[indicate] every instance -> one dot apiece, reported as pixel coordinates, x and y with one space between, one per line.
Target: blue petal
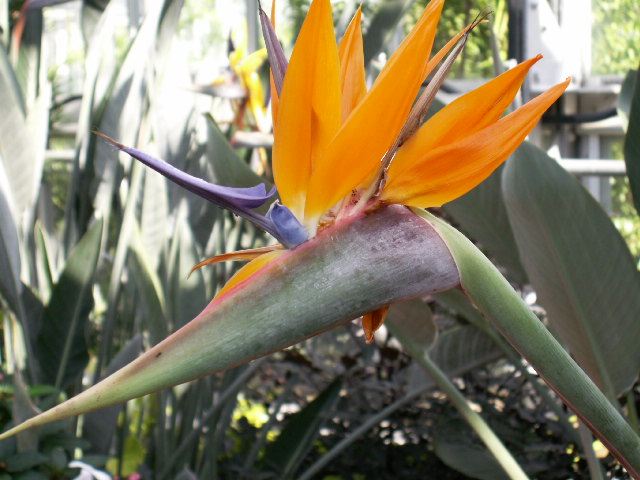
226 197
36 4
291 232
279 222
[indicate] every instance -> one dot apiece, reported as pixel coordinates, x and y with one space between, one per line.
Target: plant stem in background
475 421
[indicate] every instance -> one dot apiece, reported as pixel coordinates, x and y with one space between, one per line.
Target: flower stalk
502 306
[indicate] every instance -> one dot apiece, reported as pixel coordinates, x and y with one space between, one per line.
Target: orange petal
309 108
371 129
445 173
274 99
371 322
464 116
241 255
249 269
352 73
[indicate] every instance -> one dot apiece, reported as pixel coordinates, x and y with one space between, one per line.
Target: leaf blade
579 265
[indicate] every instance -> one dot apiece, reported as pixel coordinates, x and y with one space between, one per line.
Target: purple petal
291 232
37 4
277 59
279 222
251 197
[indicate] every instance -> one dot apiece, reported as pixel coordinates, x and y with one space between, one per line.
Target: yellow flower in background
244 67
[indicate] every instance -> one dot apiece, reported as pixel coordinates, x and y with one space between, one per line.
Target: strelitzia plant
354 169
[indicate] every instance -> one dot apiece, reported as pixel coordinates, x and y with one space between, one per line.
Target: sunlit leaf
10 286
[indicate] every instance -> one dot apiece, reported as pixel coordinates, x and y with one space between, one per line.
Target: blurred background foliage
95 252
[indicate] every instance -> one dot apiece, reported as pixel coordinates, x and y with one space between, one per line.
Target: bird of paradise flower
341 149
347 162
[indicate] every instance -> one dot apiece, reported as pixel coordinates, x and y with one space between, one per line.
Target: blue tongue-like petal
291 232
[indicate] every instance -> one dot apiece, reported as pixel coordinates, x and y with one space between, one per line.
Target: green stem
475 421
367 425
595 469
188 440
632 411
452 300
504 308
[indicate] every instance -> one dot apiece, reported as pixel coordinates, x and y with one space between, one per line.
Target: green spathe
351 268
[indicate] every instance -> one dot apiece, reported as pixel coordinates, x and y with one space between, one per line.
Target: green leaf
482 214
464 348
10 285
228 168
185 292
43 264
154 215
505 309
150 293
22 139
632 143
132 457
5 29
384 22
413 319
31 475
28 61
24 461
626 96
91 12
99 426
579 266
455 447
456 351
296 439
11 92
62 346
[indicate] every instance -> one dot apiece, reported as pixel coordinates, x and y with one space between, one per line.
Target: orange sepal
372 321
241 255
249 269
373 126
463 117
352 72
445 173
309 107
